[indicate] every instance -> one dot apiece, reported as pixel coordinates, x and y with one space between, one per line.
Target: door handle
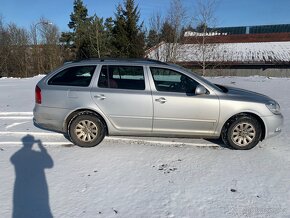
100 97
161 100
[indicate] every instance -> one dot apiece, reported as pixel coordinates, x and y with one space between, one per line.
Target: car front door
177 109
124 96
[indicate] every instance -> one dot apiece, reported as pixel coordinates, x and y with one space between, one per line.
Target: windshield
200 78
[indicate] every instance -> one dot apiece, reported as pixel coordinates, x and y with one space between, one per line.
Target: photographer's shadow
30 196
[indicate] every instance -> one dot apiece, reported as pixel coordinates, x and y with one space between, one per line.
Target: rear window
73 76
122 77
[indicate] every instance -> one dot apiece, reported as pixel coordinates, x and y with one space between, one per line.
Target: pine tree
108 35
129 40
152 39
167 32
120 36
79 38
135 35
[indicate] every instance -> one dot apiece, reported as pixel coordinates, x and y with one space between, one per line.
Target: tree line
25 53
42 48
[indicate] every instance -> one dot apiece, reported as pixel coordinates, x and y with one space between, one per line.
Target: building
254 50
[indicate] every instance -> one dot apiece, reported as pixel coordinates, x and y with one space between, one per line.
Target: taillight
37 95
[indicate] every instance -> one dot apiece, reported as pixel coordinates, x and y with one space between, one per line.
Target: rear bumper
49 118
274 125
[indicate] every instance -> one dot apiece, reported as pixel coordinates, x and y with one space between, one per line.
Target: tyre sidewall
92 118
246 119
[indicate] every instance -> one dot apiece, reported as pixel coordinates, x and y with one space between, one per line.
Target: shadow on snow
30 196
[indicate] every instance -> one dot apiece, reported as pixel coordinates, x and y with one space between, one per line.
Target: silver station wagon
90 99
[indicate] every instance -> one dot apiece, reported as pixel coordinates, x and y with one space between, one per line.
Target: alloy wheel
243 134
86 130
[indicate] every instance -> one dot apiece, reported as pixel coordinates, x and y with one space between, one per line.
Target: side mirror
200 90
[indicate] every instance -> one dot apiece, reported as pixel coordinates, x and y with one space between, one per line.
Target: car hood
246 95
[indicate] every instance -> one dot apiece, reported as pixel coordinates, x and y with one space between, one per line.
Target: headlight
274 107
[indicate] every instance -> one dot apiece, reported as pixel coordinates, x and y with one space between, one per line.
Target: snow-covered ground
139 177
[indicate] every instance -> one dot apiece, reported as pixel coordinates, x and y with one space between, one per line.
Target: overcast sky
228 13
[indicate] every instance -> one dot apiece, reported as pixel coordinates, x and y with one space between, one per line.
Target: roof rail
123 59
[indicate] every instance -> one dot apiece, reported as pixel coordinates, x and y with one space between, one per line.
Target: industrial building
238 51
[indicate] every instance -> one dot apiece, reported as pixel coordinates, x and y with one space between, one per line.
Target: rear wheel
242 133
86 130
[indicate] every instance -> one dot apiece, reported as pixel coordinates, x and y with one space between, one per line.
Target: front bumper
273 125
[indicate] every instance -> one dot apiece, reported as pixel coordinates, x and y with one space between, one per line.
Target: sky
228 12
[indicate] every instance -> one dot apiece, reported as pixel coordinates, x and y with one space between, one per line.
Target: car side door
177 109
123 94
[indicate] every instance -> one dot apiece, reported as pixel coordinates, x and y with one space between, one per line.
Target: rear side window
73 76
122 77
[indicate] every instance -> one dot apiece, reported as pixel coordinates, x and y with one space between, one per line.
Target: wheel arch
88 111
236 116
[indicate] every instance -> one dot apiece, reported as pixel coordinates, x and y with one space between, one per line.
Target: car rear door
123 94
177 109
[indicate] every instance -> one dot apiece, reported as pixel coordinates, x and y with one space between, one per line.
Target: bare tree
177 18
51 52
4 48
34 51
46 51
168 32
156 23
13 55
97 36
24 54
17 65
206 23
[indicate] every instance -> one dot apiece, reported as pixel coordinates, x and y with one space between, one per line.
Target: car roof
143 61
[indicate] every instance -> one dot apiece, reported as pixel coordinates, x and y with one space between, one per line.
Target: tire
86 130
242 133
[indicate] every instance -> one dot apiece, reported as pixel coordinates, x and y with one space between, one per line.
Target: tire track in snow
110 138
16 115
16 118
15 124
31 133
45 143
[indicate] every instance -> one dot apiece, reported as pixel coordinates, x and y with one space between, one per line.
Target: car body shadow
31 196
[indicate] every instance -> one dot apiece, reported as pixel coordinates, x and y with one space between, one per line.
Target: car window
208 83
73 76
122 77
167 80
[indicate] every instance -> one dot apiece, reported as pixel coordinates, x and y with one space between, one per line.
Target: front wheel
242 133
86 130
